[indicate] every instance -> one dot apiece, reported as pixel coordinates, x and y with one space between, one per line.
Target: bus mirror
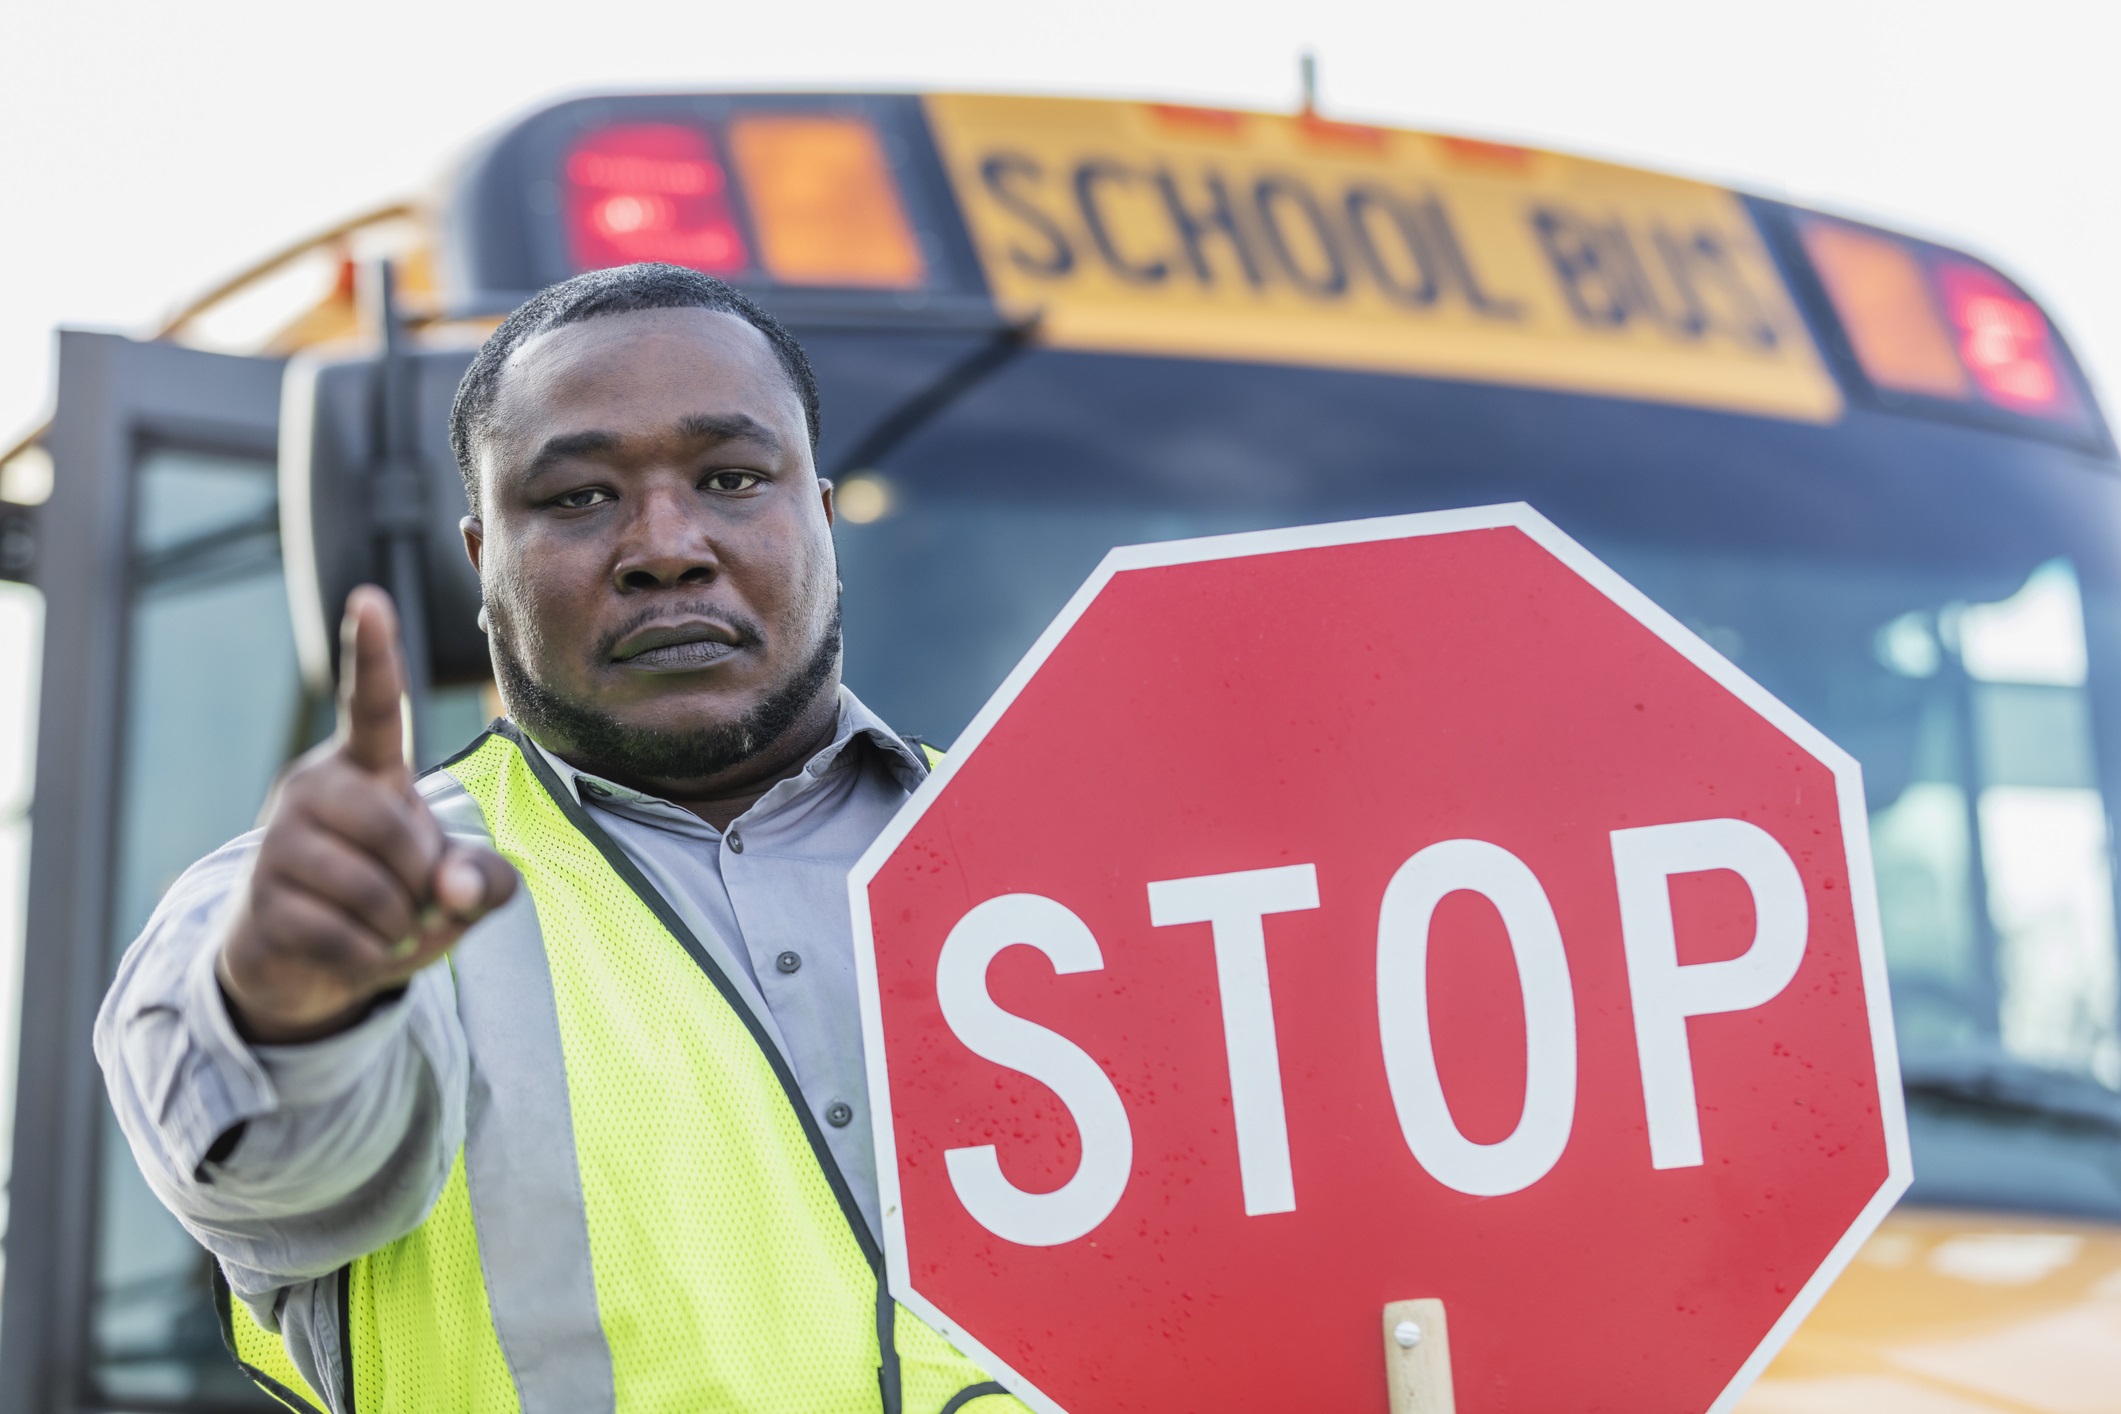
333 478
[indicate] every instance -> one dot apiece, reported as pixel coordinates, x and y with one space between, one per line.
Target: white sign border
1517 515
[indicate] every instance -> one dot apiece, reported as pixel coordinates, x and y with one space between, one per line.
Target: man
613 1151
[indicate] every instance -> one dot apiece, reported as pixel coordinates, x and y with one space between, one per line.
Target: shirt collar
855 719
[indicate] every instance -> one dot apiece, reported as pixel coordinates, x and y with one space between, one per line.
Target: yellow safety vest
660 1220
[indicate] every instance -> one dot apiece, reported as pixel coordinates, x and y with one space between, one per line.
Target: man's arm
284 1161
284 1060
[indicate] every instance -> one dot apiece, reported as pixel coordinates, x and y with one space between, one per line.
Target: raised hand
355 887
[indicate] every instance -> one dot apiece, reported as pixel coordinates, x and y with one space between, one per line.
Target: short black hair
622 289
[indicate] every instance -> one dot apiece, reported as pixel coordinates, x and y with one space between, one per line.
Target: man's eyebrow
706 427
570 444
728 427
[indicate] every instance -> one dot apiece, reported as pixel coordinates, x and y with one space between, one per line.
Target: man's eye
579 500
732 480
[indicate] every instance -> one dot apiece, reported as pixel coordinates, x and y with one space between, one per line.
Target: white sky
148 148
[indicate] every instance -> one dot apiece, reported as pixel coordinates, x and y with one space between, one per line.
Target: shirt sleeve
338 1147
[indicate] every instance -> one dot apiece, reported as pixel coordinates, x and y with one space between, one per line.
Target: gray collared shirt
346 1141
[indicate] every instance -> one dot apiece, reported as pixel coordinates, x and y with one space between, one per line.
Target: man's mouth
677 647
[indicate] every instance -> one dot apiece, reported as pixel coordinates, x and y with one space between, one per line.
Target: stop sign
1405 909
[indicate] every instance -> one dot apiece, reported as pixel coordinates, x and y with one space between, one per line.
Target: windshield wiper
1996 1082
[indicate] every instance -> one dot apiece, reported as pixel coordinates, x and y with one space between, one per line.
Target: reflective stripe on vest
644 1216
261 1354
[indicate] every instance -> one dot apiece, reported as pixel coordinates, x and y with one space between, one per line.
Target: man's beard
646 754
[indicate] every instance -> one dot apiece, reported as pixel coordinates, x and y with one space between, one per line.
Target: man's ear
474 532
824 491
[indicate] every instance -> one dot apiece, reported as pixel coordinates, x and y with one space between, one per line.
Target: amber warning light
817 190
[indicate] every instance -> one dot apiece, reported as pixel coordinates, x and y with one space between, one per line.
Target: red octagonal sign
1404 910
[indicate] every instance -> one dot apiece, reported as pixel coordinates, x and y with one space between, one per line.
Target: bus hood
1961 1313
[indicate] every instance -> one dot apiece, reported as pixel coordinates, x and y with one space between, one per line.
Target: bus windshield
1942 602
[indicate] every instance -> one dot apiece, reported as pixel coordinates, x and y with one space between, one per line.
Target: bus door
169 700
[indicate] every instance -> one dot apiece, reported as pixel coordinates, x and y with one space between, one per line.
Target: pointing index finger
371 682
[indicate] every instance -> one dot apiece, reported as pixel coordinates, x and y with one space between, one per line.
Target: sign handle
1418 1357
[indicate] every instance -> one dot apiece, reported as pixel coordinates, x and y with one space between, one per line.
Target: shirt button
839 1114
789 962
736 842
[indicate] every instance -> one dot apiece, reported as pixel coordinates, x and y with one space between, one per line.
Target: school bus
1863 465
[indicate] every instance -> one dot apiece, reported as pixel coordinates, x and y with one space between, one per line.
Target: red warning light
650 191
2003 339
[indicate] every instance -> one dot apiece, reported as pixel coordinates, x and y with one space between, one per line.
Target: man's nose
665 543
